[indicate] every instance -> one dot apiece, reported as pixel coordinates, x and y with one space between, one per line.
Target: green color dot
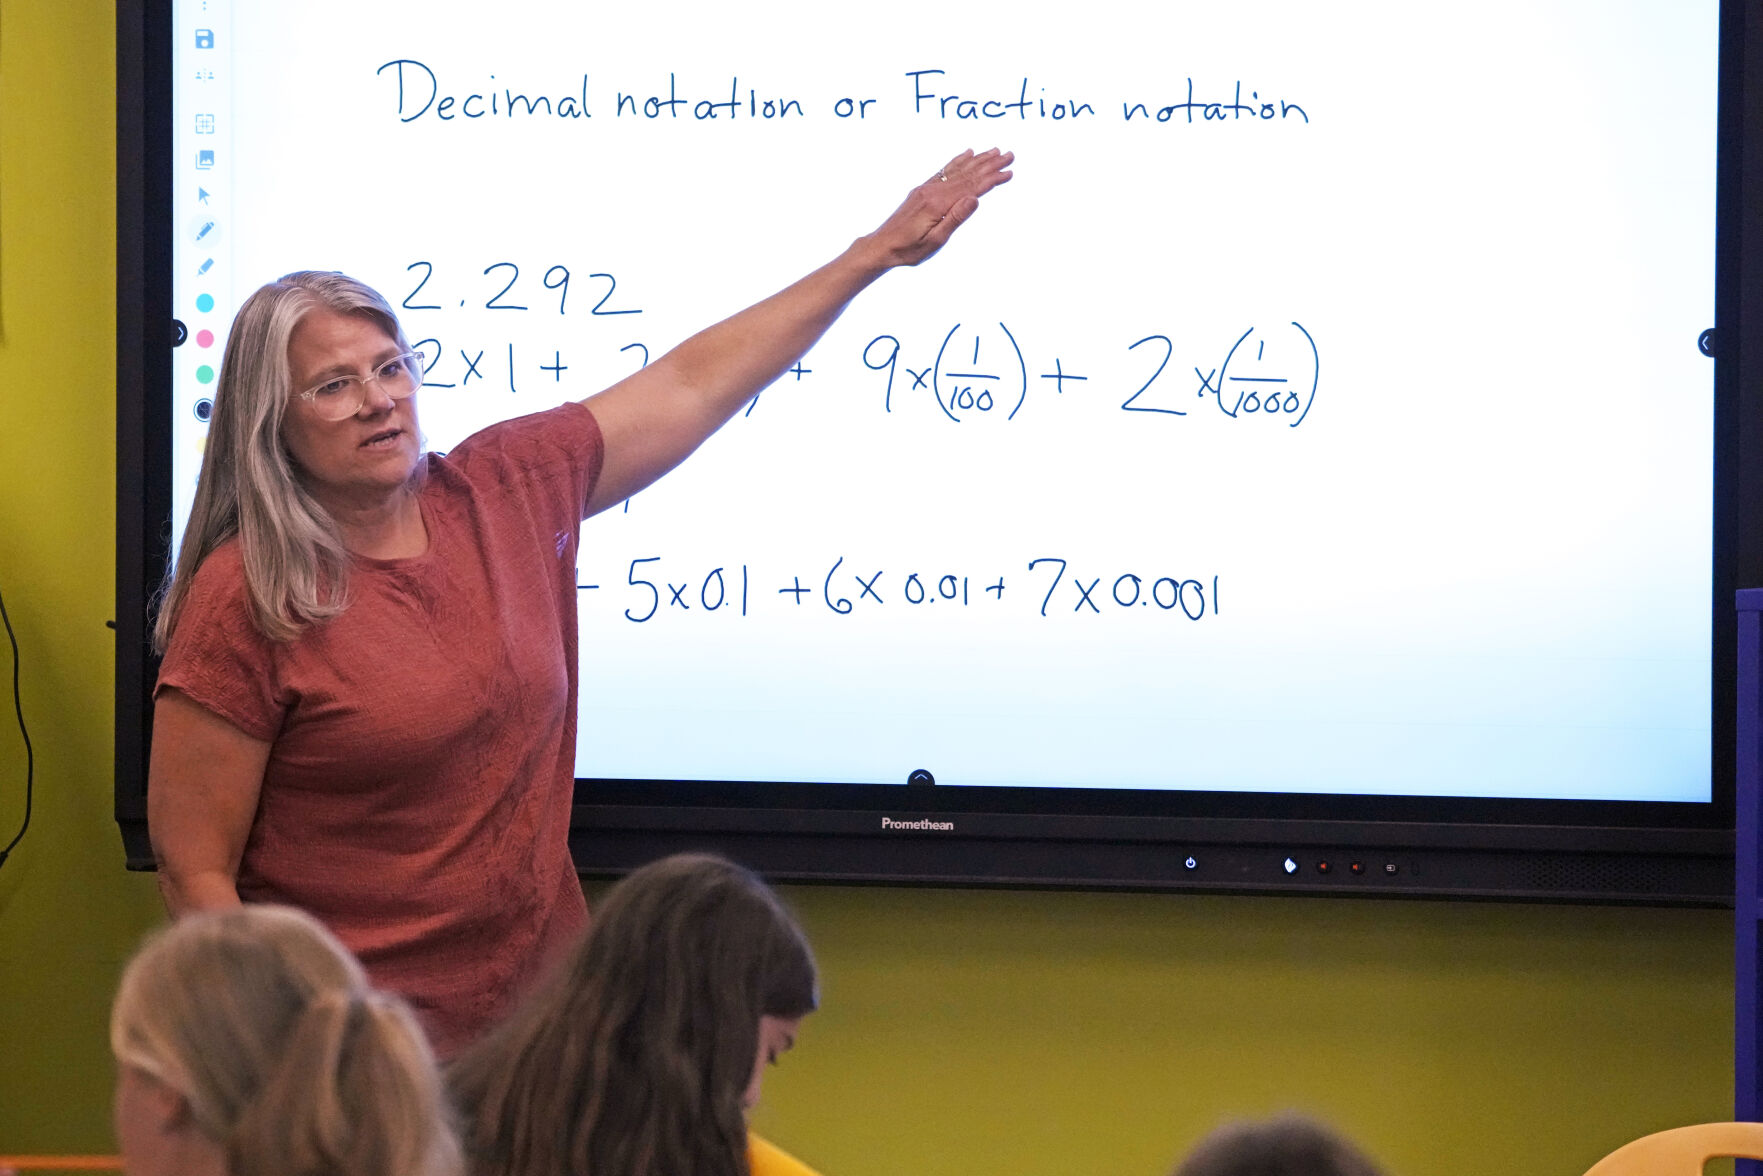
205 374
204 302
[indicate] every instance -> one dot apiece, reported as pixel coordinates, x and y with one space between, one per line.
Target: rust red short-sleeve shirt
422 744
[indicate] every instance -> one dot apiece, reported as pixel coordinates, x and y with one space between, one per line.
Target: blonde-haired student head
248 1043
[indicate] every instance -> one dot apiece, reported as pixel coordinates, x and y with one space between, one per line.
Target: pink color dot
205 338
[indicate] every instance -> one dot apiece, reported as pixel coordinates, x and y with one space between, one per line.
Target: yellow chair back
1682 1151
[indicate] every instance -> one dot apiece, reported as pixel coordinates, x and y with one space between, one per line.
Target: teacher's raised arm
653 419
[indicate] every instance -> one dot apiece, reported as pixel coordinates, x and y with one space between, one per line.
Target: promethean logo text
938 826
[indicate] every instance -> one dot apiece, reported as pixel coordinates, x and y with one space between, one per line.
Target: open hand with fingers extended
936 208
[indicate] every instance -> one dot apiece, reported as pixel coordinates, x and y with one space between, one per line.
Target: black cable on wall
30 761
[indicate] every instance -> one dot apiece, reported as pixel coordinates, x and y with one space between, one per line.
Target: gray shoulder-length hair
296 566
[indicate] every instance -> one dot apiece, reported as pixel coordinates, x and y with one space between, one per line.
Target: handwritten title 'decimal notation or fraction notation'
925 94
849 588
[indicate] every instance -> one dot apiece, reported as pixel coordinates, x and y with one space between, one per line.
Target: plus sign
556 367
799 371
1060 375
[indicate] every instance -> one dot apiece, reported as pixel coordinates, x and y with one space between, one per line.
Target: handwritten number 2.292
556 278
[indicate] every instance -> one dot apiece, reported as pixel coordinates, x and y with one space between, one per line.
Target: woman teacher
367 704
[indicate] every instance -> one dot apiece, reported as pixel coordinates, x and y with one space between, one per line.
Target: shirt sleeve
552 458
217 657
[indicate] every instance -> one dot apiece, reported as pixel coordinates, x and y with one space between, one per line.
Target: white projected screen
1318 410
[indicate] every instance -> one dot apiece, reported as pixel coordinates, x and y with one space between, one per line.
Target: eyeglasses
341 397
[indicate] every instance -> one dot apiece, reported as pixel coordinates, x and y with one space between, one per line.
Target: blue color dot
204 302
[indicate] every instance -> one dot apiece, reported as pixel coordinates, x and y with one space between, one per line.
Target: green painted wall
1031 1033
68 913
963 1031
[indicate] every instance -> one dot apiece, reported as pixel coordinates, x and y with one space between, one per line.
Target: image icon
205 159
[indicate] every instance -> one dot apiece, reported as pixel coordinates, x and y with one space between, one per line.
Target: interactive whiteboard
1319 410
